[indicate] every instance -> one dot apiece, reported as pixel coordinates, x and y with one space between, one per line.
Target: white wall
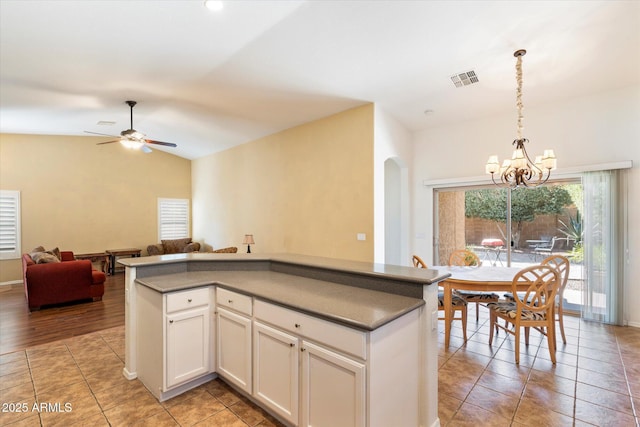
594 129
391 141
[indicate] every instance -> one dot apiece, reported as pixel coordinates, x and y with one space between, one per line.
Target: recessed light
428 112
214 5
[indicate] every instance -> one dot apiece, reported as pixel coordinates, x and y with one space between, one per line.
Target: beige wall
86 198
305 190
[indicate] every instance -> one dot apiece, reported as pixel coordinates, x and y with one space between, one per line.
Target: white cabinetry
234 338
332 382
275 371
174 340
188 345
333 388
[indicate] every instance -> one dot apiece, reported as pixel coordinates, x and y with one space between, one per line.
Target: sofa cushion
155 249
192 247
229 250
176 245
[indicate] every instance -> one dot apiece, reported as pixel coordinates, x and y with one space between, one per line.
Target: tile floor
86 372
595 382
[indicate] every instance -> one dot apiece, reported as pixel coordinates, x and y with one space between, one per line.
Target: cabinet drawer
340 337
191 298
234 301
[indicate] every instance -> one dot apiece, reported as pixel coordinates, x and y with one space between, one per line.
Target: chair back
464 257
417 262
542 283
560 263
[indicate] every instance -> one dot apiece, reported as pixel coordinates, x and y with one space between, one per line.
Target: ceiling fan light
131 144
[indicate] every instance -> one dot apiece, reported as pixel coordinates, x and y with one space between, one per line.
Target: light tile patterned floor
86 372
595 382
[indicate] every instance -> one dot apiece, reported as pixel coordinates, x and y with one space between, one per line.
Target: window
173 218
9 224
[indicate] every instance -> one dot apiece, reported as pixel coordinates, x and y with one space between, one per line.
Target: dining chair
533 308
457 303
560 263
467 258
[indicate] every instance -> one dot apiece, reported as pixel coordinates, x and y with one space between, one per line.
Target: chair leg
492 324
477 312
550 341
464 324
561 323
526 336
517 338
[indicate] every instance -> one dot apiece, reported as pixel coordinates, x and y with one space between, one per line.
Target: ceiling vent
105 123
464 79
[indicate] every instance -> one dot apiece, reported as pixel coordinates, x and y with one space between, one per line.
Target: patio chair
533 308
457 303
556 245
463 257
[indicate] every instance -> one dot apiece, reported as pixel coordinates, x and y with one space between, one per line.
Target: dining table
472 278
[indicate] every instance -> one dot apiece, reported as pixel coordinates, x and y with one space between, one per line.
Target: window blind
9 224
173 218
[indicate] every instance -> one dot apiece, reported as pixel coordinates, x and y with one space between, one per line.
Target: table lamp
248 240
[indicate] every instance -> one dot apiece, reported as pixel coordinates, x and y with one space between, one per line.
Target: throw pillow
57 253
36 250
175 246
44 258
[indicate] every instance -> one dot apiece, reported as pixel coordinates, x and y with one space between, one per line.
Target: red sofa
65 281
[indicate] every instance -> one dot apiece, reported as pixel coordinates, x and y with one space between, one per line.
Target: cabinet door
187 346
333 389
234 348
275 371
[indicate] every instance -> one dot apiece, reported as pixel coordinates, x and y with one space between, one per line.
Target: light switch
361 236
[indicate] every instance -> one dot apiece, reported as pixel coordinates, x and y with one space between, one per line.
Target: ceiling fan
131 138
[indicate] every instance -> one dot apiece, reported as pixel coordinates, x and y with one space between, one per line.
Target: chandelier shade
520 170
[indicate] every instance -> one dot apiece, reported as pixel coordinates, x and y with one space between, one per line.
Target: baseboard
634 324
129 375
13 282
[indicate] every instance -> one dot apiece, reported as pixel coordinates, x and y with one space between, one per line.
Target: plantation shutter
173 218
9 224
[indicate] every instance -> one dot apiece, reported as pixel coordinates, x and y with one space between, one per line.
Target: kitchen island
314 341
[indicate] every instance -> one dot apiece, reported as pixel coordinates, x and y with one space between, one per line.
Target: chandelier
520 171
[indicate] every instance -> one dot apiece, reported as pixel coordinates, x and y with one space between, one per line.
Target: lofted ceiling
209 81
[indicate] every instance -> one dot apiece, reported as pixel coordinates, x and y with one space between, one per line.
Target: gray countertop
406 274
355 307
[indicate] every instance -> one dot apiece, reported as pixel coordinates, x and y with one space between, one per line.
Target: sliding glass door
514 227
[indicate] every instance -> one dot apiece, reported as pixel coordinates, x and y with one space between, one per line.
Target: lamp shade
248 239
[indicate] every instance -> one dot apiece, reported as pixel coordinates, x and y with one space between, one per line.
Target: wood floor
20 329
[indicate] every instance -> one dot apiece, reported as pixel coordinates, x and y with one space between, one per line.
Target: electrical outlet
361 236
434 320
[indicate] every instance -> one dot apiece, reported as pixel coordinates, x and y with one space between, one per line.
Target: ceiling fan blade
145 149
102 134
107 142
168 144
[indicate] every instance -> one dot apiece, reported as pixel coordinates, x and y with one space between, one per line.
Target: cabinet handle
230 301
189 300
297 325
291 344
170 321
302 349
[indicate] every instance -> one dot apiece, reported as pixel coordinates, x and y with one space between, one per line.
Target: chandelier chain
519 104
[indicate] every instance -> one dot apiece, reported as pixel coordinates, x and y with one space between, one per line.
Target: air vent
105 123
464 79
